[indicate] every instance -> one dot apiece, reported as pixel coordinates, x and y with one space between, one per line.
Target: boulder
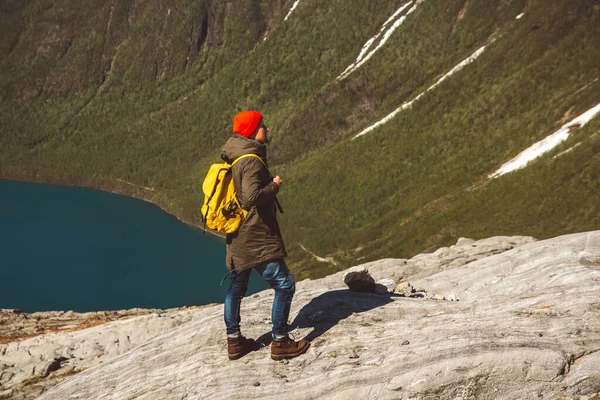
359 280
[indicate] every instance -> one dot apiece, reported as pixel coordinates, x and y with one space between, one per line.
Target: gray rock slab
527 326
63 353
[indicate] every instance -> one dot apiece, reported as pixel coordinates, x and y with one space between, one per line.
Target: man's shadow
325 311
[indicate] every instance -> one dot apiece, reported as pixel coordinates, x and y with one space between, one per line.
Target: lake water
69 248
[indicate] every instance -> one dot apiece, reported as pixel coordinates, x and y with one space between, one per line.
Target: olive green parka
259 239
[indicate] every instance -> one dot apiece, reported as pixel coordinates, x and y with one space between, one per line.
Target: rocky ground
16 325
41 349
500 318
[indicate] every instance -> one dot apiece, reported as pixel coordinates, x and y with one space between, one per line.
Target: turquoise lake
70 248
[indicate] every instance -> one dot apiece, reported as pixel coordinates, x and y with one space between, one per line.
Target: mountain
497 318
390 121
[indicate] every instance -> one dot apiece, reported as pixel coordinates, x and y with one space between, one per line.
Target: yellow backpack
221 210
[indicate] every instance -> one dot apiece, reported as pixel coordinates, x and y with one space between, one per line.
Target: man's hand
278 181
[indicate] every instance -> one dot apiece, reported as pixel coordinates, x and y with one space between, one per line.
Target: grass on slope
162 85
390 192
140 102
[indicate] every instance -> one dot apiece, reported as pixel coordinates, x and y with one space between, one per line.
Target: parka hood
238 145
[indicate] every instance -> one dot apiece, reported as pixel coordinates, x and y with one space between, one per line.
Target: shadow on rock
325 311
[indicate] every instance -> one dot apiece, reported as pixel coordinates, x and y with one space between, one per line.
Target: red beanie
246 122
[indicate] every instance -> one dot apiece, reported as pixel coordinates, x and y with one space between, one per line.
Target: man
258 243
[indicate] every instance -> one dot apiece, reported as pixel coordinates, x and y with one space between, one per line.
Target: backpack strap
265 164
250 155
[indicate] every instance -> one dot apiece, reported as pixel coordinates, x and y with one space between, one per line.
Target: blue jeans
277 274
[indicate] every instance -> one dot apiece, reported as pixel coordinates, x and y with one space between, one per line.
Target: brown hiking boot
288 348
237 348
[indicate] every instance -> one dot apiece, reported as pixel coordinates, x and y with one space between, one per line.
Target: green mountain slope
137 97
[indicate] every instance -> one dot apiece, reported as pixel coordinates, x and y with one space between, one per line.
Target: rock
16 325
48 358
464 241
402 286
359 280
385 286
405 289
442 251
486 347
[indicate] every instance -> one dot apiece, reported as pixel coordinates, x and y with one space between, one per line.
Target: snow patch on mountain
546 144
386 31
408 104
291 10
